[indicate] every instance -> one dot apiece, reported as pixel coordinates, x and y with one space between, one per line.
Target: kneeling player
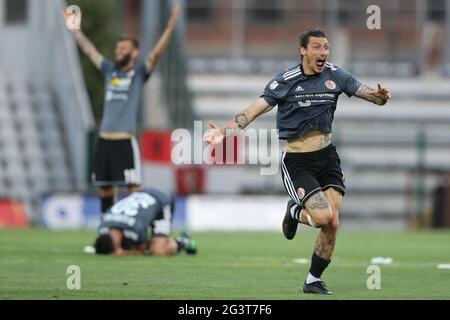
124 228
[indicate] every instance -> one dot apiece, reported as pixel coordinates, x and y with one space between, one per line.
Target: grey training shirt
307 103
123 92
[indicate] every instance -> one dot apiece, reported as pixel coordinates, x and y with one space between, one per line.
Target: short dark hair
304 38
130 38
104 244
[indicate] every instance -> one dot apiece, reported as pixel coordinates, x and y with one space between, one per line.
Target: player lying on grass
124 228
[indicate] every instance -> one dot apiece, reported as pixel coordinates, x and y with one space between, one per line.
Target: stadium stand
34 158
45 115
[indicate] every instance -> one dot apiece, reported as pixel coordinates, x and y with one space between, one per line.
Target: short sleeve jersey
307 102
123 93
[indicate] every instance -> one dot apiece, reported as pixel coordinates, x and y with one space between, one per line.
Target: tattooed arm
243 119
240 122
379 96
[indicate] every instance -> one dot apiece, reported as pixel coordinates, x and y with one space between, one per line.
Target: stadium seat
33 158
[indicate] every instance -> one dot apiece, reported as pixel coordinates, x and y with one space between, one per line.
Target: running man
117 161
124 229
307 96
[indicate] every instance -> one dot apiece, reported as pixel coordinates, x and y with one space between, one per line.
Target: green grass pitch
256 266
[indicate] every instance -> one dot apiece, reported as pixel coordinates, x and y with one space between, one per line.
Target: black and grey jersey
308 102
134 215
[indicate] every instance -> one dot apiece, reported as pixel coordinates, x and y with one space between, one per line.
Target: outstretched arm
163 41
379 96
240 122
84 43
88 48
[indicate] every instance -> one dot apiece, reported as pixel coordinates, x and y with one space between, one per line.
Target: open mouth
320 63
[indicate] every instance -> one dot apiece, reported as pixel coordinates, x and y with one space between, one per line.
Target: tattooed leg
320 214
303 217
317 201
326 239
325 242
318 211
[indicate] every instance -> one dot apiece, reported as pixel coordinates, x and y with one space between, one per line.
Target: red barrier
190 180
13 215
156 146
156 149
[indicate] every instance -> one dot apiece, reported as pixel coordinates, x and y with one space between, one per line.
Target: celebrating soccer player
117 156
307 96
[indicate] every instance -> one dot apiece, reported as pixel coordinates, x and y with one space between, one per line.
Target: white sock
294 211
300 215
311 279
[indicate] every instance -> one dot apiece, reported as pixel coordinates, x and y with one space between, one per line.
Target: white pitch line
381 260
300 261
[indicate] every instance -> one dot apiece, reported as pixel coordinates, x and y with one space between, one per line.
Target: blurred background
396 159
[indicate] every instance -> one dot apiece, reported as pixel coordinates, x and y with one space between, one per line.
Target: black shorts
305 174
117 163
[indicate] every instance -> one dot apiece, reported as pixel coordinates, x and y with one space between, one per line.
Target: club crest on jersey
301 193
330 84
274 85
